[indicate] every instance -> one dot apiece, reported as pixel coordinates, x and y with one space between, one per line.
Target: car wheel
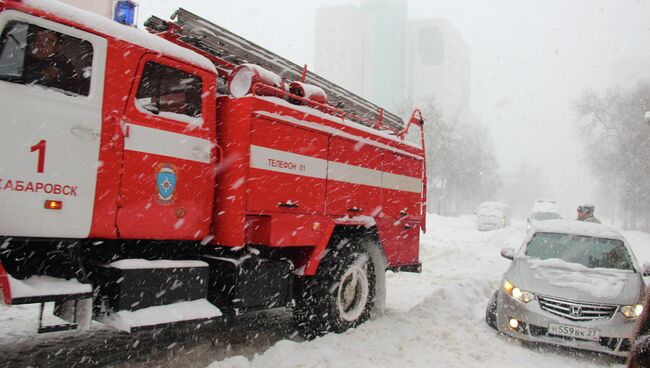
491 312
340 296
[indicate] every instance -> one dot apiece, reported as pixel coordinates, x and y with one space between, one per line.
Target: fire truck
183 173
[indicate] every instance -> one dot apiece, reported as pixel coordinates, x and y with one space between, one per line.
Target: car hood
575 282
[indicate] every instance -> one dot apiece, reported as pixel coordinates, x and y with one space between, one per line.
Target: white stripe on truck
270 159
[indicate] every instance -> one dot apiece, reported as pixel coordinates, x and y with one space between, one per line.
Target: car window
34 55
542 216
585 250
171 93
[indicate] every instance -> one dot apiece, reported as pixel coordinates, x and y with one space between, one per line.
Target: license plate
573 331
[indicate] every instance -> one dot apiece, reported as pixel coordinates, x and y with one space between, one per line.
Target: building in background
385 29
437 60
101 7
339 43
376 52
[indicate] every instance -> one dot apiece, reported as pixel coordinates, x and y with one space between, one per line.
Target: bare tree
618 144
461 164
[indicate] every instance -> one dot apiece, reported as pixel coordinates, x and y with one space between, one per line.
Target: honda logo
576 311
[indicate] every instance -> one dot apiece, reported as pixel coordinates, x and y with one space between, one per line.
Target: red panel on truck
402 186
284 160
354 178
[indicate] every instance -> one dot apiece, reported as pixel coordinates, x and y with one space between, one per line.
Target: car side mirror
646 269
508 253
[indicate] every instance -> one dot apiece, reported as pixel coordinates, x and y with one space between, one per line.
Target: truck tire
491 312
340 296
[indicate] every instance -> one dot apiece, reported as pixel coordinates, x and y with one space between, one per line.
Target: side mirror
646 269
509 253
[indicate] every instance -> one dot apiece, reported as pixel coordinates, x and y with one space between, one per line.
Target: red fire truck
185 173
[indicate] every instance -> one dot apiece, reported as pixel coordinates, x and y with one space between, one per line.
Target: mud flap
5 289
78 312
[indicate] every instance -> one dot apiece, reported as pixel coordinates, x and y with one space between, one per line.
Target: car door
51 93
167 182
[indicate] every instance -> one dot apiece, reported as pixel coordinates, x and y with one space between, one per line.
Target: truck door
51 91
402 199
167 183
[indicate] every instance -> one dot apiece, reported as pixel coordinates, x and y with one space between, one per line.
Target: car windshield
542 216
588 251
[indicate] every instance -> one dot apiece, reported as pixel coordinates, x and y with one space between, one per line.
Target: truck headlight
632 311
517 293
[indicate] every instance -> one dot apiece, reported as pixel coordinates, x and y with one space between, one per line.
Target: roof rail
231 50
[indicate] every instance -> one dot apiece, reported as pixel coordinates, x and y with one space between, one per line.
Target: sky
530 60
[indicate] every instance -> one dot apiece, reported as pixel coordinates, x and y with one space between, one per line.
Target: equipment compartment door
402 186
353 178
167 184
288 167
51 94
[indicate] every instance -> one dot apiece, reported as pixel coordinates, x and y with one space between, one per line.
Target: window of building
170 93
33 55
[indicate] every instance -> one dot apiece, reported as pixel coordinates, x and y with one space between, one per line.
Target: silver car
571 283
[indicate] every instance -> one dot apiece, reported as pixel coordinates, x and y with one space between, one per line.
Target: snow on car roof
545 205
578 228
120 31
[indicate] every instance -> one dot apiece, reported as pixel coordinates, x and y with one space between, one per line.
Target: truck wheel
340 296
491 312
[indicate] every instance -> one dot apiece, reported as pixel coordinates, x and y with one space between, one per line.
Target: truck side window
33 55
170 93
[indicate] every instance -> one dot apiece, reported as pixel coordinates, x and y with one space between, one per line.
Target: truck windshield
588 251
33 55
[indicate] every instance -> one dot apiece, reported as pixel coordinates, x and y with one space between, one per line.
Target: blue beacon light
125 12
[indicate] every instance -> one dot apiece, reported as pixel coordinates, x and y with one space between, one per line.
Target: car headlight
632 311
517 293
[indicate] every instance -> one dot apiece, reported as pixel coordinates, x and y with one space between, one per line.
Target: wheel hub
353 293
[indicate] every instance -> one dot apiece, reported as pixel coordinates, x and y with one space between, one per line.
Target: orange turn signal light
53 205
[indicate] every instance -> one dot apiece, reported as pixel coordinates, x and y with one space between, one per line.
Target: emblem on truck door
165 183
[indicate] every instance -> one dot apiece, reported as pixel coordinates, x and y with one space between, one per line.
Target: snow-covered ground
435 319
432 319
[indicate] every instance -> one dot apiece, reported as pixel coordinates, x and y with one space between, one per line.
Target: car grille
576 311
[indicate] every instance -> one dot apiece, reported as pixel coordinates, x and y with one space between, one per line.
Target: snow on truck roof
119 31
578 228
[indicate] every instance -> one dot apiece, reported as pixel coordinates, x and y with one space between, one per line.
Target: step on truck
183 173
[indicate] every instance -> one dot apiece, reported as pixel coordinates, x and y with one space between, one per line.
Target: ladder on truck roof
233 49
